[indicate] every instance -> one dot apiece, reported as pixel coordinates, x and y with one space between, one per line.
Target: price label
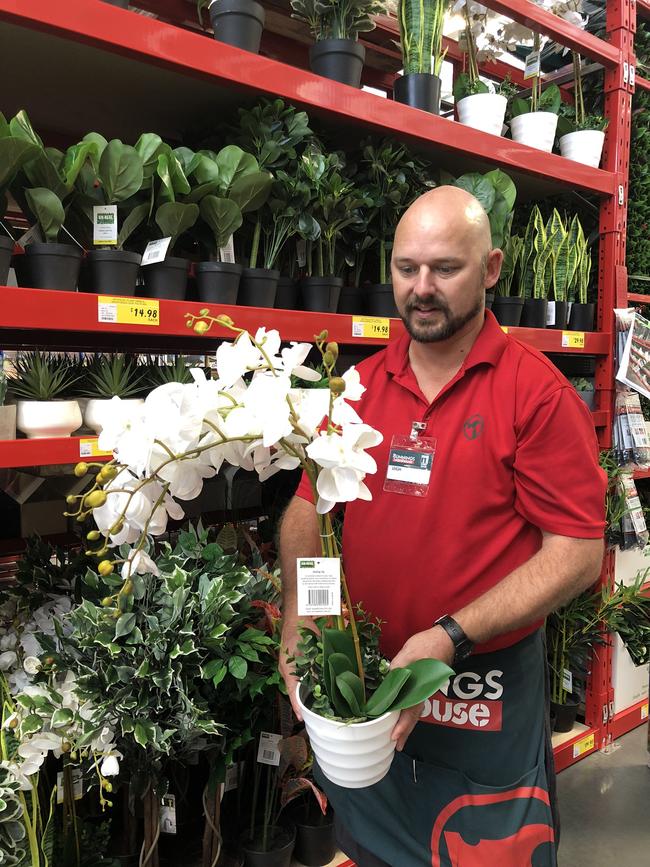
88 448
567 680
371 326
31 236
168 814
77 785
104 224
268 752
644 711
573 339
533 65
128 311
319 586
301 252
227 253
155 251
583 746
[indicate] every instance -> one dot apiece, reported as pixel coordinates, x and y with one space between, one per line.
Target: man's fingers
405 725
292 688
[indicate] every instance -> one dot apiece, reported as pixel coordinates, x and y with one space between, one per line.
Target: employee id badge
410 461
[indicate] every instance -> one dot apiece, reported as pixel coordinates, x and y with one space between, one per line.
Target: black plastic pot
419 90
508 310
315 844
582 317
351 301
561 315
111 272
218 282
238 22
280 856
563 716
321 294
380 300
123 4
338 59
587 397
257 287
166 279
6 249
51 266
489 300
287 296
534 315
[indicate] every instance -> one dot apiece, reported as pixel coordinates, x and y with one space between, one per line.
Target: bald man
487 512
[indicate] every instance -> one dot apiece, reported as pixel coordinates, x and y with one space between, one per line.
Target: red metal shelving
583 744
641 474
642 83
636 298
629 719
48 452
643 8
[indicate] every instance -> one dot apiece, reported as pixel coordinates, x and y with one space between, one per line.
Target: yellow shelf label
374 327
573 339
583 746
88 448
644 711
128 311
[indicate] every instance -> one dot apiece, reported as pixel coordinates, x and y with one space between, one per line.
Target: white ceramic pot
535 129
352 755
484 111
48 418
584 146
96 409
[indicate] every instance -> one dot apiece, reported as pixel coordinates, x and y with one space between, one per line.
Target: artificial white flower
32 665
8 659
18 773
235 359
110 767
125 434
138 562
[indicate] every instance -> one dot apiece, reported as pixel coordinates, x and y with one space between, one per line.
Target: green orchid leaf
337 641
351 688
426 677
387 692
337 663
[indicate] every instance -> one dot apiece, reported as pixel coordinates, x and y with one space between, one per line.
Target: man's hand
432 644
288 644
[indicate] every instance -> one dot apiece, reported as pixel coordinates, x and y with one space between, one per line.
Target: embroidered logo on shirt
473 427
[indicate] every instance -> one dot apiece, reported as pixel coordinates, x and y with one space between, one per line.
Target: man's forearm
299 537
561 569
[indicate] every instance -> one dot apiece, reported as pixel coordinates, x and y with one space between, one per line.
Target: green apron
470 788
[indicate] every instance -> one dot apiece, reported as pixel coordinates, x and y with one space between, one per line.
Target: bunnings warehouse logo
308 564
105 219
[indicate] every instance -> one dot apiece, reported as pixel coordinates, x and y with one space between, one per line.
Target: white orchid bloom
125 434
8 641
32 665
266 401
236 358
110 766
138 562
293 357
19 775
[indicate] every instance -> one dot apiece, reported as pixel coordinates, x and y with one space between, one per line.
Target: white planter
352 755
484 111
535 129
48 418
584 146
96 409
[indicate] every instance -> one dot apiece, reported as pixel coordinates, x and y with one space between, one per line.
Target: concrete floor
605 807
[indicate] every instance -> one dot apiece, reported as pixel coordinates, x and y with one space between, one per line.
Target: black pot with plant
14 152
168 279
235 22
583 311
421 27
287 296
315 839
508 307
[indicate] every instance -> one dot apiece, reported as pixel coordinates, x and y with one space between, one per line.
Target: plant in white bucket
581 135
40 383
250 417
106 377
534 120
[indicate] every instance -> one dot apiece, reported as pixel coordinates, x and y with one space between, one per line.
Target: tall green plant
337 19
511 255
421 25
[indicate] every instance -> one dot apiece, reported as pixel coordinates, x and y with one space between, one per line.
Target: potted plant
535 267
581 135
160 374
14 152
508 307
7 412
168 278
534 121
421 26
585 389
106 377
581 317
496 192
40 383
335 26
235 22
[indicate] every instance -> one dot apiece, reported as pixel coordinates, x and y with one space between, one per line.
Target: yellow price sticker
573 339
644 711
88 448
583 746
374 327
128 311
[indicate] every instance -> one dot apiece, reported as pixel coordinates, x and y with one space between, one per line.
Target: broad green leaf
124 625
163 171
551 99
100 143
32 723
222 216
519 106
251 191
90 579
120 171
427 676
62 717
75 157
48 209
480 187
14 152
174 218
141 734
387 691
238 667
134 219
504 185
350 686
233 163
148 146
336 664
21 127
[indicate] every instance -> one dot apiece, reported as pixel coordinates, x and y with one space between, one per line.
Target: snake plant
421 23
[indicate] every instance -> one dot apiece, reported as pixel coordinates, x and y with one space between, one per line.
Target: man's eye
407 269
446 269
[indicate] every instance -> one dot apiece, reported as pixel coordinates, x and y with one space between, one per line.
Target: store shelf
641 474
629 719
83 43
637 298
642 83
48 452
643 8
574 745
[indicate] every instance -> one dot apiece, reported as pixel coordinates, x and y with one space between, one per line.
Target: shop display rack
121 73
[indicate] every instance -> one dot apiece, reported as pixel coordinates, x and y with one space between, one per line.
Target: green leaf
75 158
551 99
503 185
480 187
387 692
174 218
519 106
14 152
124 625
251 191
238 667
351 688
142 734
120 171
233 163
62 717
90 579
21 127
32 723
131 223
48 210
222 216
426 677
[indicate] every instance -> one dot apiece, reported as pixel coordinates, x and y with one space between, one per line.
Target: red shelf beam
642 83
641 474
572 751
629 719
195 55
44 452
643 8
636 298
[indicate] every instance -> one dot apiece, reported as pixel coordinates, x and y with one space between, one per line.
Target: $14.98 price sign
128 311
371 326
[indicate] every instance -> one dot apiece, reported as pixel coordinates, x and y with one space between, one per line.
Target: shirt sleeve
304 490
559 485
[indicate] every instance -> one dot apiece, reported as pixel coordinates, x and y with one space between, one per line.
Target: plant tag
155 251
77 785
227 253
533 65
573 339
88 448
375 327
268 752
168 814
319 586
567 680
301 252
31 236
104 224
550 313
233 775
584 746
463 45
128 311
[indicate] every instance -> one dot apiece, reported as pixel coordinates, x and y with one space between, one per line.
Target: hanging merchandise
635 529
634 360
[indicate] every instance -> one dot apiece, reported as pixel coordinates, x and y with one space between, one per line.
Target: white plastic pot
535 129
352 755
96 409
584 146
48 418
484 111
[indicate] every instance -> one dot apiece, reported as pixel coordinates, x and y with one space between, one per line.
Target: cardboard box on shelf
630 683
630 562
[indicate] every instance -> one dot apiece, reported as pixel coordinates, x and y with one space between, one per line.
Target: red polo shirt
516 454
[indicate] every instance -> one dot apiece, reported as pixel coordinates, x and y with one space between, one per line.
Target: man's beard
447 324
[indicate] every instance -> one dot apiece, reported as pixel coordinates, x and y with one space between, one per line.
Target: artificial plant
573 118
42 376
421 26
14 152
337 19
107 376
496 194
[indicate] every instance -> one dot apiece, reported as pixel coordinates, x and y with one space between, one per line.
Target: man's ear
493 268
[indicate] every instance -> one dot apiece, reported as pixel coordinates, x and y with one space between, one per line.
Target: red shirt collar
487 348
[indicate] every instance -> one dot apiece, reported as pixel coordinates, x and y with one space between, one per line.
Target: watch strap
460 640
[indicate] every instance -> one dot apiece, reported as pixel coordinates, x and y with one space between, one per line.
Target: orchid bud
94 499
337 385
105 568
107 601
127 589
81 469
93 536
224 319
333 348
328 359
201 327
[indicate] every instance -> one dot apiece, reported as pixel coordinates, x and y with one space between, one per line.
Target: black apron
471 787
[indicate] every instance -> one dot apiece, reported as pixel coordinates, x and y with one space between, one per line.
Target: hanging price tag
567 680
88 448
550 313
77 785
168 814
128 311
233 775
104 224
31 236
301 252
227 253
533 65
268 752
371 326
155 251
319 586
573 339
583 746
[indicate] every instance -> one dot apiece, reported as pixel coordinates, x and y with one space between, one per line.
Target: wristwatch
463 645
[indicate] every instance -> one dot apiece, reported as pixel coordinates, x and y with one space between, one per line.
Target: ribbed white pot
96 409
484 111
583 146
47 418
535 129
352 755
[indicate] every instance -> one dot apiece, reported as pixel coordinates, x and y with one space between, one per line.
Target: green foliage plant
547 99
511 254
42 376
337 19
179 371
3 386
469 83
13 835
107 376
421 24
14 152
496 193
638 226
573 118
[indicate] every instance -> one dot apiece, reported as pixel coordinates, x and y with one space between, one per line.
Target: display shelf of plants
629 719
